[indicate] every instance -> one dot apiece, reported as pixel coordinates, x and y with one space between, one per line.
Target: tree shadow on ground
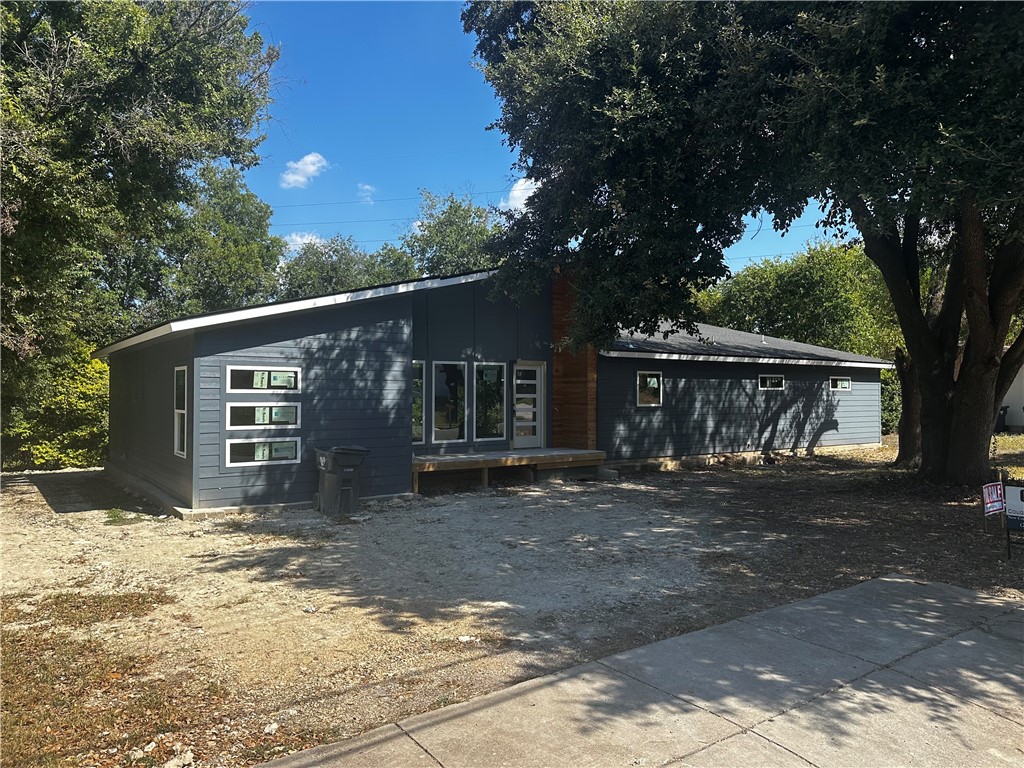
80 491
580 570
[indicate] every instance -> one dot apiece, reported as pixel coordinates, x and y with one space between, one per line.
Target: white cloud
365 192
518 195
298 239
301 171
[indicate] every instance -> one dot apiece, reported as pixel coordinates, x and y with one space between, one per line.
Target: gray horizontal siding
354 391
717 408
142 416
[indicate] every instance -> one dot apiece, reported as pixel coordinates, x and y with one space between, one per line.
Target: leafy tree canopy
338 265
222 255
450 236
829 294
108 107
651 128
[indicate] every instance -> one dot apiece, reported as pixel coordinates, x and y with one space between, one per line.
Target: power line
386 199
342 221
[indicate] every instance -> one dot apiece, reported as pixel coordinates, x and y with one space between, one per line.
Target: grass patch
1009 455
66 698
117 516
74 609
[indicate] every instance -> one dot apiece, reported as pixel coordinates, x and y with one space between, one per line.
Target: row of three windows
649 386
449 402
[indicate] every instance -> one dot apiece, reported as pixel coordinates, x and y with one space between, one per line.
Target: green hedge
62 421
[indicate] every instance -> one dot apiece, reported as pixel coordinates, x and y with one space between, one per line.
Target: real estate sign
993 498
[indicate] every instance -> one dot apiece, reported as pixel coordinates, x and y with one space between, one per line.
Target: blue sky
377 100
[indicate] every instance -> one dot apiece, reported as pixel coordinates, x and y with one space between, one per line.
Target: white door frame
538 440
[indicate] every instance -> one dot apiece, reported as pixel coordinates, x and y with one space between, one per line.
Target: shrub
62 420
892 402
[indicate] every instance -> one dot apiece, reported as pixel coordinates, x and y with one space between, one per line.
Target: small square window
771 381
841 383
648 389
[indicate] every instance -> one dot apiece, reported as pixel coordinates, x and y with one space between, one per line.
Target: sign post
1013 519
993 500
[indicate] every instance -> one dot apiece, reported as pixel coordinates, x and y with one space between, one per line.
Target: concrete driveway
891 672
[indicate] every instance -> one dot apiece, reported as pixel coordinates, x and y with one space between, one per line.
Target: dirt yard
131 639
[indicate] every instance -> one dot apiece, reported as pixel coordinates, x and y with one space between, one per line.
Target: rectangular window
261 451
417 401
489 381
771 382
840 383
263 415
181 411
449 411
249 378
648 389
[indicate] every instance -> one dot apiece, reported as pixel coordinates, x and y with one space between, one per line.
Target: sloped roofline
179 326
758 360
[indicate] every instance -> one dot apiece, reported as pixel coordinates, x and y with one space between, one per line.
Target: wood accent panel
573 380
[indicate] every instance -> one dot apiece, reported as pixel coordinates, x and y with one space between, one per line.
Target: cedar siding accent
573 380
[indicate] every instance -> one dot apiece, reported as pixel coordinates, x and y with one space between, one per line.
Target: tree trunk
909 455
973 417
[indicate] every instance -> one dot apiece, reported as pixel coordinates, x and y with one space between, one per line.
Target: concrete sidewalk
891 672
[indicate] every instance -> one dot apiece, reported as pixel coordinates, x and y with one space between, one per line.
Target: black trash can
1001 419
339 479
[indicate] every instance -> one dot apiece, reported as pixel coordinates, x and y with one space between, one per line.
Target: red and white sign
993 498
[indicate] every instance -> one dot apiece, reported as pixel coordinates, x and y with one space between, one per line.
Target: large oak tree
652 128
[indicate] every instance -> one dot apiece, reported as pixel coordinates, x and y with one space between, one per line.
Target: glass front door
529 400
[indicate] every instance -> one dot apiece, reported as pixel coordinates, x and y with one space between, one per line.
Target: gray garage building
223 409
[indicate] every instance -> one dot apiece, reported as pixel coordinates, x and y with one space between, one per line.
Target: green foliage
651 128
222 255
108 111
607 104
892 400
338 265
62 420
829 295
450 236
107 107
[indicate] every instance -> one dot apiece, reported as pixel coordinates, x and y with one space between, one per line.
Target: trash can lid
352 449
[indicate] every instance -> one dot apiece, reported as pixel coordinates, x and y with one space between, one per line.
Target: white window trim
761 376
183 412
267 390
228 443
661 389
423 415
504 404
465 401
278 404
833 379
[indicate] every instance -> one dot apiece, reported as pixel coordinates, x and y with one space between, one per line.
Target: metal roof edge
756 360
298 305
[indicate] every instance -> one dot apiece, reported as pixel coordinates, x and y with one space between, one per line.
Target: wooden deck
535 458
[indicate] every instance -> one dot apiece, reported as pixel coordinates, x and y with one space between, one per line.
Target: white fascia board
254 313
757 360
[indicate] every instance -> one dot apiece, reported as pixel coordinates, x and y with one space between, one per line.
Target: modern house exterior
224 409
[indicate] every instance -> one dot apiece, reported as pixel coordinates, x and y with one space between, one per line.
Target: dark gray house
222 410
